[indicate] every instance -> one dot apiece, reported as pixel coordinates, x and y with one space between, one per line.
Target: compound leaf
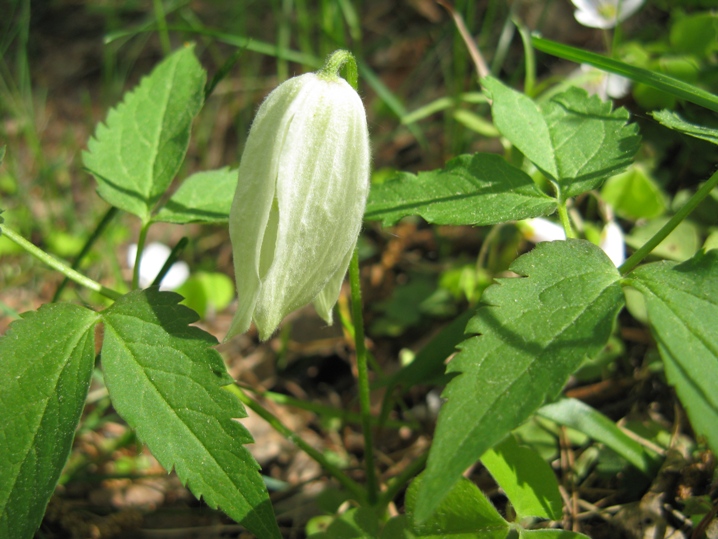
574 139
479 189
682 303
204 197
46 359
531 335
166 381
137 152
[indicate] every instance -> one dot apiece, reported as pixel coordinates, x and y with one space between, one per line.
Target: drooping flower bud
298 207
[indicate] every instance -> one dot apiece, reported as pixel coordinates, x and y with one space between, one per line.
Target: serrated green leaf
479 189
528 481
137 152
465 513
575 140
634 194
580 416
532 334
204 197
673 121
46 359
682 302
165 380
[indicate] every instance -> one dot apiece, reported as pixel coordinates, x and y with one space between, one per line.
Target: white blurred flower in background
538 229
604 85
604 13
613 243
154 257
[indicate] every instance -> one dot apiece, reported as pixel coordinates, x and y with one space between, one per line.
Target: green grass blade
679 88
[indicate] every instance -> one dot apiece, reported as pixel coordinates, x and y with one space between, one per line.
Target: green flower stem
530 61
400 481
335 61
680 215
565 221
346 481
363 378
109 215
58 265
138 255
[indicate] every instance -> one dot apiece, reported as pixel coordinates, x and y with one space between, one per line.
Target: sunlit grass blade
580 416
679 88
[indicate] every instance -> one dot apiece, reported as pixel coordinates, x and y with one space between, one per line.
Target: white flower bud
300 198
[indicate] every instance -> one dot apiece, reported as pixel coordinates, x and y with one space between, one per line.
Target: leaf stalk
59 265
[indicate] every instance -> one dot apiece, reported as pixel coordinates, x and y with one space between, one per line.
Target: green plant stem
363 377
565 220
171 259
138 255
530 62
81 461
109 215
162 26
58 265
321 410
346 481
398 483
680 215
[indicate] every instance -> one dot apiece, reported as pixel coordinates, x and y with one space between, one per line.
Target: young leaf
634 194
528 481
165 380
580 416
397 528
46 360
532 334
574 139
673 121
204 197
356 523
137 152
464 512
682 303
479 189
